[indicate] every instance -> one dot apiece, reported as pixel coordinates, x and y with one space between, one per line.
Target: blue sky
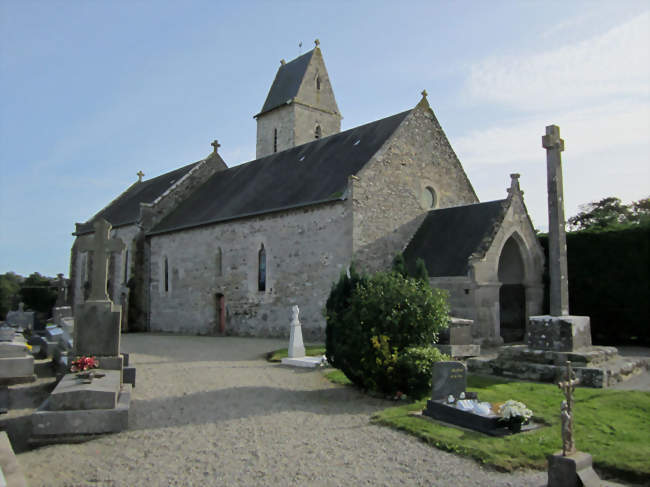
92 92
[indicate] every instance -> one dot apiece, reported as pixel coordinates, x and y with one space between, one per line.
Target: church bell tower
300 106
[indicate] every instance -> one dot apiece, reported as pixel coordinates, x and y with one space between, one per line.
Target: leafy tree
38 294
399 265
9 288
421 272
610 213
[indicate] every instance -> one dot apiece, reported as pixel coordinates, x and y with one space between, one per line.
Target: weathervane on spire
300 48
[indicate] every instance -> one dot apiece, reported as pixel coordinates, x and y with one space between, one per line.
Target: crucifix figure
140 175
559 283
568 386
215 144
60 290
101 246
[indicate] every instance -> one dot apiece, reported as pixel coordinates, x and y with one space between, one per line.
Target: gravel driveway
210 411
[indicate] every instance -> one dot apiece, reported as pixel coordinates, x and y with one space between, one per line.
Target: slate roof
311 173
125 209
287 82
449 236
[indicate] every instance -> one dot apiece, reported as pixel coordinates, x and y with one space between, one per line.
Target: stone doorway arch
512 291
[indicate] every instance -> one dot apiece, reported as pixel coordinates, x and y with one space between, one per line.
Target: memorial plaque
448 378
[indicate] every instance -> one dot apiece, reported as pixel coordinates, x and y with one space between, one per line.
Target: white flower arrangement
513 410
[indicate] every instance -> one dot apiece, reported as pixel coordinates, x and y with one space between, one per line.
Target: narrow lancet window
219 271
261 270
318 132
318 83
275 140
166 271
126 267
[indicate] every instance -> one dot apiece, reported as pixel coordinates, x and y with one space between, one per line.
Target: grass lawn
310 351
613 426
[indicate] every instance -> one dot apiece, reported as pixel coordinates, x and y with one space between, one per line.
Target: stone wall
306 250
390 193
283 119
307 118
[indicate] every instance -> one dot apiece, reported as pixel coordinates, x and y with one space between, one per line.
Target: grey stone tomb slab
7 333
72 394
448 378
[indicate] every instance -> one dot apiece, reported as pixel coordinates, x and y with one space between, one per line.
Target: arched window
219 271
430 198
275 140
261 269
318 83
166 272
318 132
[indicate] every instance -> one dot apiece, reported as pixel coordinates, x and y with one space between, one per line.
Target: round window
429 197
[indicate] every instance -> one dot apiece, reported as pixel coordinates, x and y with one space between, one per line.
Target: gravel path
211 411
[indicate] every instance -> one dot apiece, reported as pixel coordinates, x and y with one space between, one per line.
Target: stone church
213 249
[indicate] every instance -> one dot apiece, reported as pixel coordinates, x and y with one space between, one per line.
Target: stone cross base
558 333
574 470
97 329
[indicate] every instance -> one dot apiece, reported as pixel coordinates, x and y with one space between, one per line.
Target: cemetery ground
214 411
612 424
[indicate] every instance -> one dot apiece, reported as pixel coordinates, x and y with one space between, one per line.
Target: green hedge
609 280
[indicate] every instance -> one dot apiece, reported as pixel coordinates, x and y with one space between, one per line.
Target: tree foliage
38 294
610 213
9 289
375 323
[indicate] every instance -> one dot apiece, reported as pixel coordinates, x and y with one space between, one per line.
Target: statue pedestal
574 470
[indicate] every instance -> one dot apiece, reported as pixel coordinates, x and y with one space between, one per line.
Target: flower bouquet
83 366
515 413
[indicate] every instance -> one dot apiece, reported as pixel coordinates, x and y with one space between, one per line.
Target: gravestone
98 320
77 408
456 340
448 378
21 318
16 363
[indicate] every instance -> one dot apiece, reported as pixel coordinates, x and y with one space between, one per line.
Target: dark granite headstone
448 378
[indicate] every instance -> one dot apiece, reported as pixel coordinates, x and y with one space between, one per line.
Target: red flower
84 363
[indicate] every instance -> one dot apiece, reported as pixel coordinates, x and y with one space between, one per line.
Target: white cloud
616 63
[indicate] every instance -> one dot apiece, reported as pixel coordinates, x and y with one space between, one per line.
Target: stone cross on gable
559 281
140 175
101 246
568 386
215 144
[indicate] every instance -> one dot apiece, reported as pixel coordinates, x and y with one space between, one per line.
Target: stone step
606 374
588 357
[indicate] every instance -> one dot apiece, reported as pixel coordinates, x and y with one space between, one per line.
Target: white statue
296 346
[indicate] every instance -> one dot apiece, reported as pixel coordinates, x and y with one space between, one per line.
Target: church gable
415 170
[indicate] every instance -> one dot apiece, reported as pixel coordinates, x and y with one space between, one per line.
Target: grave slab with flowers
451 403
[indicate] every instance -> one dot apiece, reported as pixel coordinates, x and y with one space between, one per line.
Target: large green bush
373 321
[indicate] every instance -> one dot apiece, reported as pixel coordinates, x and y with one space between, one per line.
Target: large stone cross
101 246
559 280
